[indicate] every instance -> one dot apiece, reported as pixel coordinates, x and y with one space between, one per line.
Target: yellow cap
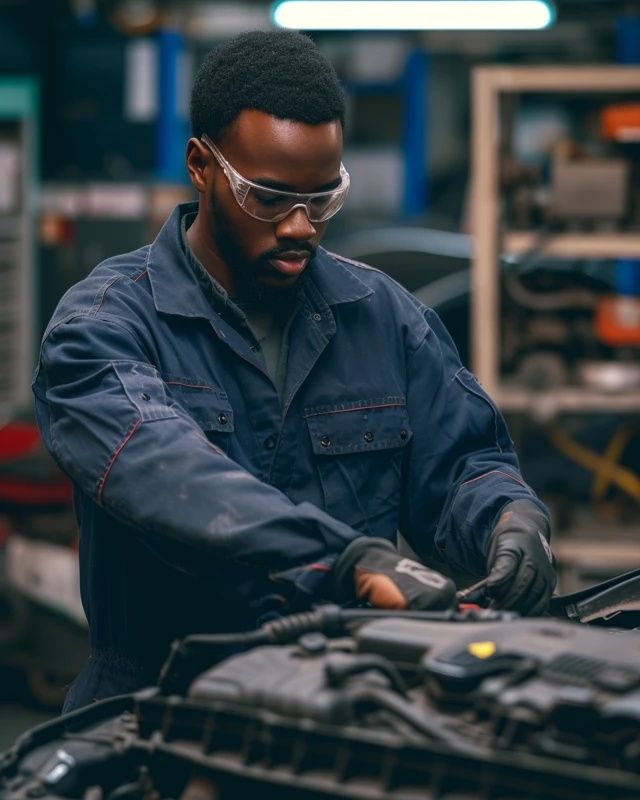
482 649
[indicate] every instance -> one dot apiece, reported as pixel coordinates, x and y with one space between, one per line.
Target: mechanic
248 420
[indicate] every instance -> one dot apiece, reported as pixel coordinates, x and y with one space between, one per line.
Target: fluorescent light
434 15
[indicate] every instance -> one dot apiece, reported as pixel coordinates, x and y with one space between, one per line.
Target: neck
206 254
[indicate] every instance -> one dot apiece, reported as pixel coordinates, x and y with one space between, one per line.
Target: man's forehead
257 138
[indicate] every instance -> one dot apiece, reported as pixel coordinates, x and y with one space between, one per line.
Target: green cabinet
18 208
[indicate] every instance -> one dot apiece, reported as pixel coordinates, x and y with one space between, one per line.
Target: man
248 420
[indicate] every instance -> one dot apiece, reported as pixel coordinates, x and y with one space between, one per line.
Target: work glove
372 571
521 574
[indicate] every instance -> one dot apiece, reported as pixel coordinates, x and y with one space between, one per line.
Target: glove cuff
342 572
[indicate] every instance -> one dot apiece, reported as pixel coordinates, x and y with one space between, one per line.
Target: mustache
295 247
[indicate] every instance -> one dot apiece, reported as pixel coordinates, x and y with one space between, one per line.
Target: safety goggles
272 205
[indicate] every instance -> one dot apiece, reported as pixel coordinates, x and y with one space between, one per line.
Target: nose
296 226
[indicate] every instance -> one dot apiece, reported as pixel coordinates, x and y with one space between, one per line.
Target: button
270 442
317 317
145 396
325 441
368 436
403 434
222 419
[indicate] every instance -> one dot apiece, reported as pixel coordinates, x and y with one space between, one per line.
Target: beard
247 274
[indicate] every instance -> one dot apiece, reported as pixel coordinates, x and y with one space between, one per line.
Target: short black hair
282 73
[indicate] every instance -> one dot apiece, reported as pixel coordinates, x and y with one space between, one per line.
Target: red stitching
319 567
358 408
141 275
495 472
114 455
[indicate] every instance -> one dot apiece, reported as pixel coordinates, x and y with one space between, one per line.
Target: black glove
520 561
373 571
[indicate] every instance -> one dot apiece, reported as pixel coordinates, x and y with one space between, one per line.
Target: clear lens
271 205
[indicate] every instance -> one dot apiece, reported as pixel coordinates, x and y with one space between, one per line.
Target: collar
335 281
174 284
176 289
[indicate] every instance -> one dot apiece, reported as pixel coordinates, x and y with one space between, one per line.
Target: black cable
337 673
428 726
195 653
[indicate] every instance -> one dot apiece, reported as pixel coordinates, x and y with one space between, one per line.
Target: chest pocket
358 449
208 406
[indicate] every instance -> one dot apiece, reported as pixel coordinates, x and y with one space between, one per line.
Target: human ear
198 162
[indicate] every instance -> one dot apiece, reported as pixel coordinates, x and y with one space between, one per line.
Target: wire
193 653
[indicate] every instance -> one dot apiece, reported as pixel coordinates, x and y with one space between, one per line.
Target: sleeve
107 419
462 468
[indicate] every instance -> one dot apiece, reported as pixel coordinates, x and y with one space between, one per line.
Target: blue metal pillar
627 44
628 38
171 126
416 96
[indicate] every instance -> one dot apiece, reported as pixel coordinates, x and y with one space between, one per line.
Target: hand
520 562
372 570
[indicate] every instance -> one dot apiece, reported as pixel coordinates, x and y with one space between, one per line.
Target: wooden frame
489 83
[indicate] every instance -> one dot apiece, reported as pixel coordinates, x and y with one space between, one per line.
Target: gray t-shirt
266 328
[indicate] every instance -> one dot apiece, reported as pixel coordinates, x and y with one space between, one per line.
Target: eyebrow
286 187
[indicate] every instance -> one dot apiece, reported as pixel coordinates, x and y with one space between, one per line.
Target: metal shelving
490 84
574 245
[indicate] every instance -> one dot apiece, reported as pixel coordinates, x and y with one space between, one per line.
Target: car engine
359 703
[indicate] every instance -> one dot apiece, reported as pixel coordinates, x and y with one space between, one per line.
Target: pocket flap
144 389
208 406
357 428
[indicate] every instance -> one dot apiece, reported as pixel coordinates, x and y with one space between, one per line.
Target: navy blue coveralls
198 490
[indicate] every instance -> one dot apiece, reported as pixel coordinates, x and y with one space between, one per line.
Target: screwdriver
464 593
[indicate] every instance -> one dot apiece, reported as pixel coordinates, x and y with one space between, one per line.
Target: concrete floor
18 712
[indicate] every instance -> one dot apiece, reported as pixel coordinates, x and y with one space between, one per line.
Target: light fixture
412 15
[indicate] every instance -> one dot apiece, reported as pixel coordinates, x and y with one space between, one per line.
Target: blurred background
494 174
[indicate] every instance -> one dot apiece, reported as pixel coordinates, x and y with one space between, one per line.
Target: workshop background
494 174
